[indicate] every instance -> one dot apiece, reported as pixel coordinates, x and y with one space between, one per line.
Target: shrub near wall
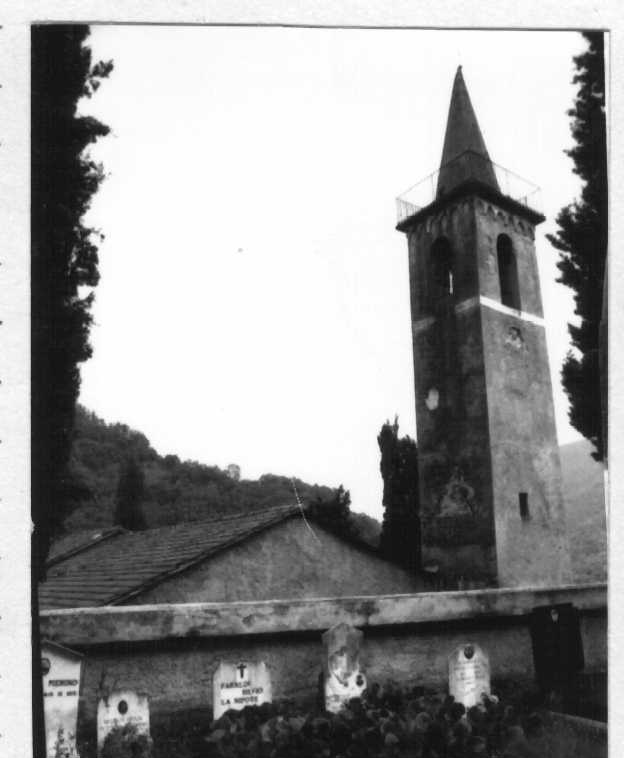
126 742
387 723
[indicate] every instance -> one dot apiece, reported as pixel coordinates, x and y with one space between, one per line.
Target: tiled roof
114 569
75 542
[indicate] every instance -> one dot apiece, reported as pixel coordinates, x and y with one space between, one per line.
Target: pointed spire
464 156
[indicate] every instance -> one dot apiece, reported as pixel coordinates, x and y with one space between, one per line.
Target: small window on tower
507 273
523 499
442 267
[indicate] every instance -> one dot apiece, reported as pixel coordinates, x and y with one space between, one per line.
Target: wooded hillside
175 490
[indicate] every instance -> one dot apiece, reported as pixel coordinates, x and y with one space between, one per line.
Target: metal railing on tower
466 166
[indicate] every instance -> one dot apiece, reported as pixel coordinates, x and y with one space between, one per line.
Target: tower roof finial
464 156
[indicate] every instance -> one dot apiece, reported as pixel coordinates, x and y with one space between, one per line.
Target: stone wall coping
579 724
140 623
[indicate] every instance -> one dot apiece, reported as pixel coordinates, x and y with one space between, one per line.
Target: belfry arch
508 272
441 268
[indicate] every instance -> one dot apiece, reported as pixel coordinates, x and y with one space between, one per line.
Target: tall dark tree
130 491
400 530
582 240
63 261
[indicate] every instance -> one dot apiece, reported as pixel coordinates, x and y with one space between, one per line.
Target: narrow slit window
508 273
523 501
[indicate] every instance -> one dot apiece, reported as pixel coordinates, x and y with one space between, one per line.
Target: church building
489 474
271 554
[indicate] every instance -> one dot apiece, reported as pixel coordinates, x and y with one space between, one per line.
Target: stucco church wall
286 561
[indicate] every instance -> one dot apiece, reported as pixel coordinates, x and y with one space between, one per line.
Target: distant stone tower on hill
489 473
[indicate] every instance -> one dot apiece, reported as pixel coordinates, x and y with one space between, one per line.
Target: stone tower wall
484 410
451 405
531 549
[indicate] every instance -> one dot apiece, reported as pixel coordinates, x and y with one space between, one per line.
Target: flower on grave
126 742
65 746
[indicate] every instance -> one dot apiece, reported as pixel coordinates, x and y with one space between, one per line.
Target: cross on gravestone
342 675
61 669
120 708
469 674
236 685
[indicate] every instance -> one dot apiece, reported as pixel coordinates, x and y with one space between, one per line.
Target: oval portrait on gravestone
45 666
469 651
122 707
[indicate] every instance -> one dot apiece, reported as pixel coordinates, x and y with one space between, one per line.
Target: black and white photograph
319 429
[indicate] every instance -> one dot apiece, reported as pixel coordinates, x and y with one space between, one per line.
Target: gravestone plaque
120 708
342 677
469 674
235 685
61 686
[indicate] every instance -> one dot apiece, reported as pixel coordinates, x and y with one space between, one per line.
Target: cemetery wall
170 652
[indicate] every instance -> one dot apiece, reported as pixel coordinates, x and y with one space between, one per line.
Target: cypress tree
582 241
400 530
64 261
130 491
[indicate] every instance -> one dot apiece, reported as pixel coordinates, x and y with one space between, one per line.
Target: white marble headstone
61 688
343 678
469 674
235 685
120 708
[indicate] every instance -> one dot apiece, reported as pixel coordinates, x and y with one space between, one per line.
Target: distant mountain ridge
189 491
583 494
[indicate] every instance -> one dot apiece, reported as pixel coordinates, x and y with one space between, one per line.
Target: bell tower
491 505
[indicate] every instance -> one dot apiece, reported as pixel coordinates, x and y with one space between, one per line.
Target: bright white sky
253 304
